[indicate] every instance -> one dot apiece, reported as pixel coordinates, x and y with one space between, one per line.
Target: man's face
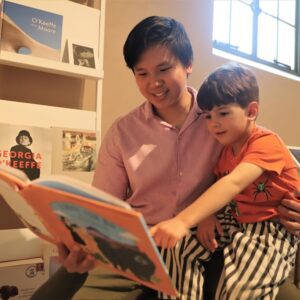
161 77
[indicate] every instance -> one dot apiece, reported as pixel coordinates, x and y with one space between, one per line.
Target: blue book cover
31 31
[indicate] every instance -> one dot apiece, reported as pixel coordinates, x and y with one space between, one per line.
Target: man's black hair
154 31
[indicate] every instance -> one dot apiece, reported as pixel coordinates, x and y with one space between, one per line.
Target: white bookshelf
49 66
81 24
28 114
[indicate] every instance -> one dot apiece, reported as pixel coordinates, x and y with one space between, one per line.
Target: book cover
295 152
74 153
74 212
27 148
31 31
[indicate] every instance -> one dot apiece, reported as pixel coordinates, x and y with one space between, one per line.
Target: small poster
74 153
81 55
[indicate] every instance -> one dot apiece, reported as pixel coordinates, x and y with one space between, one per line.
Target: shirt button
180 174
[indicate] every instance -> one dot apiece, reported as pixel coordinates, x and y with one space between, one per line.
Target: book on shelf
63 209
31 31
20 278
27 148
74 153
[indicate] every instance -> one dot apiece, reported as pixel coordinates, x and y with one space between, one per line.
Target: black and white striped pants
257 259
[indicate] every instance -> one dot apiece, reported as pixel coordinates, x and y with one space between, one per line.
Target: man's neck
176 115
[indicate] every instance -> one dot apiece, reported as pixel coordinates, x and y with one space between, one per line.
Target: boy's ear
252 110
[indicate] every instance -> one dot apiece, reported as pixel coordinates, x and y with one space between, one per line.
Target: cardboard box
21 278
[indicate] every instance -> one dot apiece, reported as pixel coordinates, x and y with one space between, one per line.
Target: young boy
255 172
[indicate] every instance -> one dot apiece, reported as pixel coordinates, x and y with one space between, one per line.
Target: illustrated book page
67 210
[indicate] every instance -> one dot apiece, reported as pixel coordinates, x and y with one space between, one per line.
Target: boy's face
230 124
161 78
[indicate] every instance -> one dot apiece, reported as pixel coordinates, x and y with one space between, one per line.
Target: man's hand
206 232
289 211
75 260
167 233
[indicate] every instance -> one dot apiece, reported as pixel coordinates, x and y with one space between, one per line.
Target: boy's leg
184 263
256 261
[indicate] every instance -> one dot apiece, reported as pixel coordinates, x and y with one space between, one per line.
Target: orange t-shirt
259 200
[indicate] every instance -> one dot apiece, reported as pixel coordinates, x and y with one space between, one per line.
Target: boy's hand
206 232
167 233
75 260
289 211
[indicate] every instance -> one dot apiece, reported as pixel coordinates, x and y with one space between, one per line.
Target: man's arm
75 260
290 214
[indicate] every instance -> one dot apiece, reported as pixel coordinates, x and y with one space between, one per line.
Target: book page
117 238
24 211
71 185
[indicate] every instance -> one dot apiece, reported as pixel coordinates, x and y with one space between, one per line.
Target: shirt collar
195 110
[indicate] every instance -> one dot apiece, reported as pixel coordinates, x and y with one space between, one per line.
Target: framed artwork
81 54
295 151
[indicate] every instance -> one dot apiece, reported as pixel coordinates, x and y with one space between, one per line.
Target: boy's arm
220 193
167 233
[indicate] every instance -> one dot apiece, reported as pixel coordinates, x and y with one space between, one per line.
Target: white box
26 275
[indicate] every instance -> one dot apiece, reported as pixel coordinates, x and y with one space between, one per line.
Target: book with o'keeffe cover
31 31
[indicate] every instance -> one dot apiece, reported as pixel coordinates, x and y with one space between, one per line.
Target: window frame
253 57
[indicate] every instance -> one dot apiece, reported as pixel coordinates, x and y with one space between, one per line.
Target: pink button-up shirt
156 168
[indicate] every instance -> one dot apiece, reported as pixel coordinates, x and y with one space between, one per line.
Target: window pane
267 37
286 44
221 21
287 9
269 6
241 27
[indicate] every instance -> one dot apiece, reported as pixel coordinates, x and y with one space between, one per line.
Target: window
264 31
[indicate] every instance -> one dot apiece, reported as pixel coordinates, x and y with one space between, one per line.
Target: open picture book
62 209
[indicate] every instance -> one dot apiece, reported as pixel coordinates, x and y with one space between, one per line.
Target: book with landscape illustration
31 31
62 209
74 153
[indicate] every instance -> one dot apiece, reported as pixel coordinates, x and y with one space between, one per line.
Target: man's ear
189 69
252 110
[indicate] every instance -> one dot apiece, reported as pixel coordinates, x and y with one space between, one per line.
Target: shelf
49 66
29 114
